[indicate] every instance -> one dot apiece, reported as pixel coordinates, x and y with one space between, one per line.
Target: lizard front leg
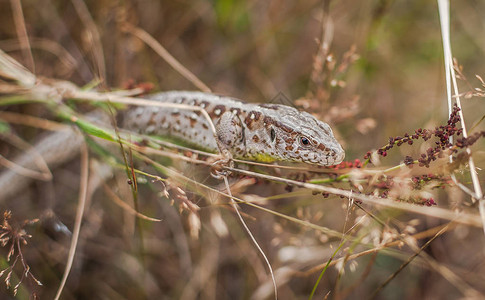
230 136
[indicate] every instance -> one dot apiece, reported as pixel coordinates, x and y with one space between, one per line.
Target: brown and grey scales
260 132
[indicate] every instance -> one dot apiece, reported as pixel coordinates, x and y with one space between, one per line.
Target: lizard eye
304 142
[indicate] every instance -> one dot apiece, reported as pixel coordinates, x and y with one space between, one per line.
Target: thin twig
79 215
24 171
173 174
19 20
393 275
12 69
160 50
234 205
95 39
46 45
444 13
44 174
429 211
125 206
23 119
108 97
399 242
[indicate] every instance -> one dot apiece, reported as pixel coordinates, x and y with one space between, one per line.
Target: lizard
258 132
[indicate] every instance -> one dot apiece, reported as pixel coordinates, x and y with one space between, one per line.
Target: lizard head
299 136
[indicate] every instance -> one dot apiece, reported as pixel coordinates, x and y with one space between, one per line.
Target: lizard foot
217 168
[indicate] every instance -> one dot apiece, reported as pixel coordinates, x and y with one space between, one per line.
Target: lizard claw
217 168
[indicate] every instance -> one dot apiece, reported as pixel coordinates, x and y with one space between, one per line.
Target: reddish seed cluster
387 184
442 133
429 202
445 132
419 181
424 178
142 143
431 155
408 161
420 201
398 141
144 86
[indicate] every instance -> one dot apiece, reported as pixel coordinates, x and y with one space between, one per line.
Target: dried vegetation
402 218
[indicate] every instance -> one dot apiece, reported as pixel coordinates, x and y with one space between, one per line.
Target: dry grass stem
93 36
117 200
11 69
83 187
246 228
361 227
428 211
22 33
160 50
444 13
27 120
44 173
46 45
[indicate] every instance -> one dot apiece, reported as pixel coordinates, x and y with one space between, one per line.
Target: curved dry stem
12 69
444 13
460 284
79 215
234 205
428 211
46 45
23 37
113 98
93 33
44 174
125 206
160 50
27 120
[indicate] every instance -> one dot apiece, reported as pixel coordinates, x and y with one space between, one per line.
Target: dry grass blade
79 215
113 98
46 45
24 171
22 33
468 291
383 285
11 69
94 37
125 206
16 118
444 13
234 205
160 50
429 211
185 180
44 173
